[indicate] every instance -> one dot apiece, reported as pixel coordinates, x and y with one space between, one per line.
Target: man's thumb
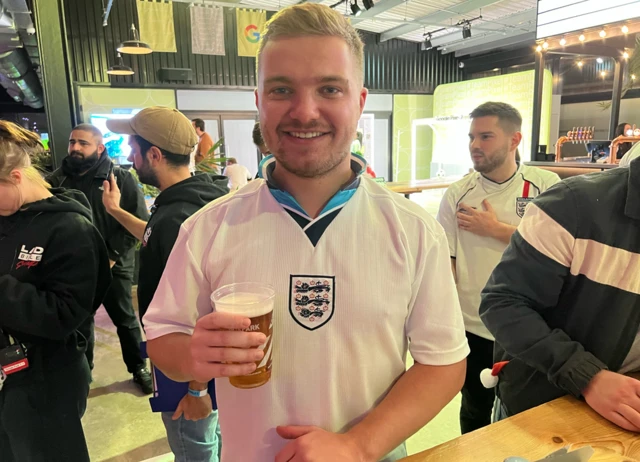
293 432
106 186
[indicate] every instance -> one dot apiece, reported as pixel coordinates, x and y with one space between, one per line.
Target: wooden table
538 432
409 187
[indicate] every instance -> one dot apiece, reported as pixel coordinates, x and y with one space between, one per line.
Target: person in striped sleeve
479 214
564 302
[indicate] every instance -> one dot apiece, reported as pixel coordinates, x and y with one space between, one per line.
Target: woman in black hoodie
54 271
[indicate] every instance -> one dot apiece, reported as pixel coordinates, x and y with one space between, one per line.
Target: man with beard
85 169
161 141
333 394
479 214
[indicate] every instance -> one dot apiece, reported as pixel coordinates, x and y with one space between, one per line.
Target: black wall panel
395 66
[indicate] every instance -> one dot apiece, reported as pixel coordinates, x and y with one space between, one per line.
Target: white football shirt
382 270
477 256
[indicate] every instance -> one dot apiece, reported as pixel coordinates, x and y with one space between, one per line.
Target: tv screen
117 145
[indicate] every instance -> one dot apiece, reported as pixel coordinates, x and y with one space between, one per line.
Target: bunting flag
156 25
250 26
207 30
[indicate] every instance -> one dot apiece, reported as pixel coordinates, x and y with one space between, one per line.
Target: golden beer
254 301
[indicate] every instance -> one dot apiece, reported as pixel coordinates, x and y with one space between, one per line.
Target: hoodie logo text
29 258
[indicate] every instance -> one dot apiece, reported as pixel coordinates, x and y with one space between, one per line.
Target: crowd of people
553 293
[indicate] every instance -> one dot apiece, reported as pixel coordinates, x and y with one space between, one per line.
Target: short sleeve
447 218
183 295
435 328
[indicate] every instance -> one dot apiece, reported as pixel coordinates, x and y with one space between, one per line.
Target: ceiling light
466 30
427 45
538 48
625 30
355 9
603 34
134 46
581 38
119 68
625 55
545 45
599 60
368 4
563 42
580 63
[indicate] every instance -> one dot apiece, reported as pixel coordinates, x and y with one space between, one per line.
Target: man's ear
154 155
101 149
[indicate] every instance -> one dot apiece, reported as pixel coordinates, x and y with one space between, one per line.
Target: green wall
406 108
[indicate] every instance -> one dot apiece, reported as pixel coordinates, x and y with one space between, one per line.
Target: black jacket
563 304
54 272
120 243
172 207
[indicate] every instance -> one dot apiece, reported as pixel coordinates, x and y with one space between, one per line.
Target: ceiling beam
498 41
508 26
436 18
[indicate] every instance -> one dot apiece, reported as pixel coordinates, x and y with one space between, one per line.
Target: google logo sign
251 33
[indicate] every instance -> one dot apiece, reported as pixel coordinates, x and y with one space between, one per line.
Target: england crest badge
312 300
521 205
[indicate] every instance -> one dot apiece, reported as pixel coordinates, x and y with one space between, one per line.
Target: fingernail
253 367
259 355
246 322
262 338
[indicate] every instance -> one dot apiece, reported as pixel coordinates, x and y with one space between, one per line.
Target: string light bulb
599 60
625 55
581 38
545 45
603 74
563 42
580 63
633 76
603 33
625 30
538 48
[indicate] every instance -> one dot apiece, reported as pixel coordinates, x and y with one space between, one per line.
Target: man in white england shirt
339 389
479 213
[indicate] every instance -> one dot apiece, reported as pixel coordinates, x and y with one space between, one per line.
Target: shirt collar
268 165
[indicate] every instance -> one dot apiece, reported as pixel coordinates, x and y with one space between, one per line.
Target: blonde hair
17 146
312 19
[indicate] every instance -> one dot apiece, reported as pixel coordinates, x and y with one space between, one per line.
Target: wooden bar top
536 433
416 186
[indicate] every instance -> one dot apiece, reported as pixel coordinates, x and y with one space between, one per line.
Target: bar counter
536 433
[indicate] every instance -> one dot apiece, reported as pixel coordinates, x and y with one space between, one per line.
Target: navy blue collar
268 165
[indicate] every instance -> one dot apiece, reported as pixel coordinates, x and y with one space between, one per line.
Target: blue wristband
198 393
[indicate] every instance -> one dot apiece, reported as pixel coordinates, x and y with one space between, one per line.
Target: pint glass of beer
255 301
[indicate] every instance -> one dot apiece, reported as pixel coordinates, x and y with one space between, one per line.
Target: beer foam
247 304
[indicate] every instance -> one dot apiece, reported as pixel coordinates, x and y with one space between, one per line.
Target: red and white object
489 377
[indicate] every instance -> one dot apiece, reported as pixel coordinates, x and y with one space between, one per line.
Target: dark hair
89 128
199 123
508 116
174 160
620 130
231 160
257 135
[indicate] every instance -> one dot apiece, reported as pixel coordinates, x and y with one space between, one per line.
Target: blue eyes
329 91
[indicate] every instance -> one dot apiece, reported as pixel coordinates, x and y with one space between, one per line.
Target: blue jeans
197 441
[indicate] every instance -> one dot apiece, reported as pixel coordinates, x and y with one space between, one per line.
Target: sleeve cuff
579 372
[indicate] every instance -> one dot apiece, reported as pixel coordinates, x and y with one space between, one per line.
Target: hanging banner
250 25
207 30
156 25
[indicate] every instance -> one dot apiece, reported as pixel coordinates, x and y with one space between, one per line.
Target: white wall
223 100
215 100
381 153
379 103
